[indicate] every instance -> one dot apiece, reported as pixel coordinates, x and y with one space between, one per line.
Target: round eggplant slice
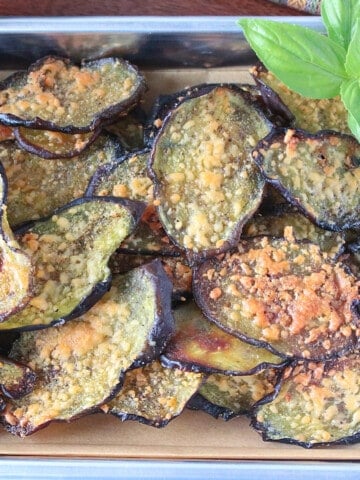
128 178
305 113
154 395
16 267
228 396
282 295
319 174
36 186
70 252
274 225
58 95
53 145
316 404
80 365
200 346
16 380
206 185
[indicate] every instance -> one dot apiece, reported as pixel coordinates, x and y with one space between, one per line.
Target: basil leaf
352 63
306 61
354 127
340 17
350 94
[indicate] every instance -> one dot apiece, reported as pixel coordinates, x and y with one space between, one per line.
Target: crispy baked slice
283 295
80 365
55 94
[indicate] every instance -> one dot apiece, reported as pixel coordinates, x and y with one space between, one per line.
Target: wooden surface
142 7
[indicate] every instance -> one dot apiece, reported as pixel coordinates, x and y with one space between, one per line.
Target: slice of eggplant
206 185
200 346
53 145
80 365
305 113
319 174
36 186
283 295
70 251
57 95
16 380
128 178
315 404
154 395
16 286
230 396
275 223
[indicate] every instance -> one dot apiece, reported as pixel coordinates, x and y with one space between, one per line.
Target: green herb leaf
354 127
350 94
352 63
340 17
306 61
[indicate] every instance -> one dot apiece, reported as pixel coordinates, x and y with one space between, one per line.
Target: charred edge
198 402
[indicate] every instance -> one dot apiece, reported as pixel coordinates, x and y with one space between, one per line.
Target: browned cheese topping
317 402
155 394
65 94
286 294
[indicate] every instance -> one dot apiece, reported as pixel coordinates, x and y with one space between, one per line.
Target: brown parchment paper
193 435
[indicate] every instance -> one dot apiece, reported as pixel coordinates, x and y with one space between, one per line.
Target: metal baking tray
185 48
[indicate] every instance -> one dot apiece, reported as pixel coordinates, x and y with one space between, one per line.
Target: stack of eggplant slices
204 255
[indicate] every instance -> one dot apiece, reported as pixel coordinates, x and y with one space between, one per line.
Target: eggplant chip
57 95
70 251
305 113
16 268
80 365
275 223
16 380
128 178
36 186
228 396
282 295
319 174
52 145
200 346
206 185
316 404
154 395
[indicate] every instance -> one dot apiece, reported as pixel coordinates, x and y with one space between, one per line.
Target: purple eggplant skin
25 386
271 99
31 147
277 135
198 402
164 324
103 118
195 258
135 208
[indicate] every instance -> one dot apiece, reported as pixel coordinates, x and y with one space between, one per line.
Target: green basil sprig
311 64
